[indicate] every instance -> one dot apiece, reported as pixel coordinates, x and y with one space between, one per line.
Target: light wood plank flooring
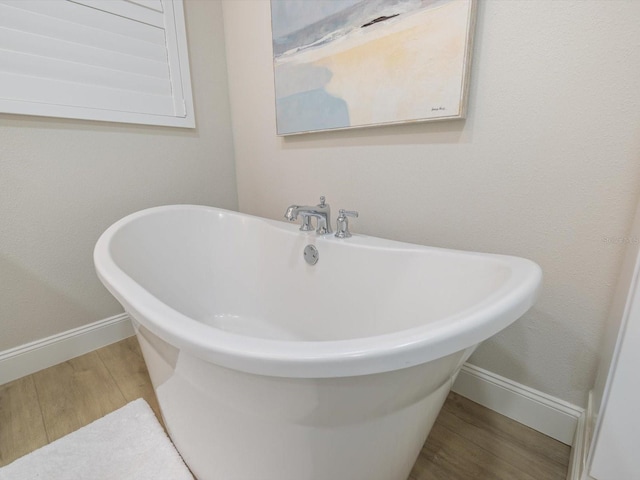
468 441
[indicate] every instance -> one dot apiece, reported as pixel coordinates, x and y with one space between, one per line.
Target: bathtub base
233 425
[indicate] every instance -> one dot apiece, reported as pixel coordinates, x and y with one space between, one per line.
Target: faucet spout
292 213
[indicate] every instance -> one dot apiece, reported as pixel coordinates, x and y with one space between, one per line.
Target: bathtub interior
247 275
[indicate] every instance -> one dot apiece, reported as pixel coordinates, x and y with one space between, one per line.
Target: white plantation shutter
113 60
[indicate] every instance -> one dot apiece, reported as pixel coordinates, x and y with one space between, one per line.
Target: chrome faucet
321 212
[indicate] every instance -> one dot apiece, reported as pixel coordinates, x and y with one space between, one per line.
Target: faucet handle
322 201
342 223
348 213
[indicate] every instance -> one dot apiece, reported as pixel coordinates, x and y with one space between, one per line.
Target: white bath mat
128 444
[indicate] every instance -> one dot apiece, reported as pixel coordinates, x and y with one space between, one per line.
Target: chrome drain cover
311 254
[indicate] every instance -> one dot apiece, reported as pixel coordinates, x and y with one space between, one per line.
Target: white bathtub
267 368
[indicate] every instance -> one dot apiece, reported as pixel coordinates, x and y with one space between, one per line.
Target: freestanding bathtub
267 368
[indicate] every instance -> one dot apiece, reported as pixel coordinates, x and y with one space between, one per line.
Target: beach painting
359 63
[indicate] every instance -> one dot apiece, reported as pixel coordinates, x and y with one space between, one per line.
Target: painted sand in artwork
353 63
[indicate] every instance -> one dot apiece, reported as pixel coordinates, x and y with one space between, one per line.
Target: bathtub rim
321 359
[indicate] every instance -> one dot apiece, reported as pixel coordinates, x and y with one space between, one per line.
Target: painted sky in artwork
345 63
292 15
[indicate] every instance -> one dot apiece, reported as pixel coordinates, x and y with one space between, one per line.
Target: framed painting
359 63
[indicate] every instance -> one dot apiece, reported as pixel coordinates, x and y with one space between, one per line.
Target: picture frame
362 63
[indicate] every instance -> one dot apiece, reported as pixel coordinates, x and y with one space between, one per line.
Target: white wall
546 166
63 182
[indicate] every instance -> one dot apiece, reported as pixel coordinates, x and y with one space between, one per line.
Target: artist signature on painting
437 109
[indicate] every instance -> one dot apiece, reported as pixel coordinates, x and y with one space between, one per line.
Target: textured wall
63 182
546 166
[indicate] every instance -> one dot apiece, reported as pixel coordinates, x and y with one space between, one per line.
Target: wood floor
468 442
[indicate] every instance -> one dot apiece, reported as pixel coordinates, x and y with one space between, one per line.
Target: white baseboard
580 449
576 460
544 413
32 357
